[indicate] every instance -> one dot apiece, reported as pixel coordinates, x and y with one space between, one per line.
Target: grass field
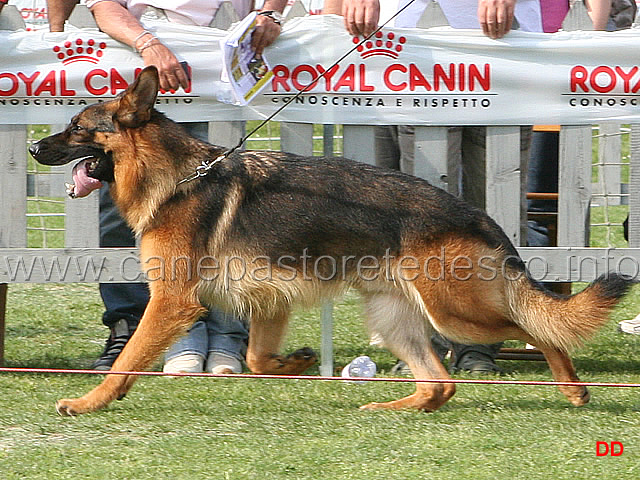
203 428
253 429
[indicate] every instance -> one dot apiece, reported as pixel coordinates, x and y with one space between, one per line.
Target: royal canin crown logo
384 45
80 51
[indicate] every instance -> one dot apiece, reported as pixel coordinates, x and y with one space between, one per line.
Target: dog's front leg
163 320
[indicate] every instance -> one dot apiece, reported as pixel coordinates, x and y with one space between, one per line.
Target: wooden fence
502 187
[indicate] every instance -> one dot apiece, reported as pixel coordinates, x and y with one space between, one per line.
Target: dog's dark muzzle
53 150
34 150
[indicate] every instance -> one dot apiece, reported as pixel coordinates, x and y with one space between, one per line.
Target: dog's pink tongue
84 184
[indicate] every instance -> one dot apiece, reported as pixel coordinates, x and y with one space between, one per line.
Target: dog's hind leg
563 371
265 339
404 330
164 319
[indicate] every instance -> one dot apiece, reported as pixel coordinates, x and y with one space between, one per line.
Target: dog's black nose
34 149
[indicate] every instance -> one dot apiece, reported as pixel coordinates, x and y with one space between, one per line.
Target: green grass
277 429
255 429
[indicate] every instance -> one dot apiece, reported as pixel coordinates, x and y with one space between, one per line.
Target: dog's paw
580 400
70 407
305 354
300 360
578 396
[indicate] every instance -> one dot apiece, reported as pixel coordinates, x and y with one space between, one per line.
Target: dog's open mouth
83 184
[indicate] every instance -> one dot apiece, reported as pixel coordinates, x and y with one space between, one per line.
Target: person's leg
228 338
387 151
124 302
474 358
543 178
218 338
189 353
406 144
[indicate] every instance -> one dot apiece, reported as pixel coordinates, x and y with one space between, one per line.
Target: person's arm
117 22
267 29
496 17
58 12
599 11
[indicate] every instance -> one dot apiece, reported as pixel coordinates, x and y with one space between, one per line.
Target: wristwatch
273 15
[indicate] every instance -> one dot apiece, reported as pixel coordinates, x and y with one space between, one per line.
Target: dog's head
92 135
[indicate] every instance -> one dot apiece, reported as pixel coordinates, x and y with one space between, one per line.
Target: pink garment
553 13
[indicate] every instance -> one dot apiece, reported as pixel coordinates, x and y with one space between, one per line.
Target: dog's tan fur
262 207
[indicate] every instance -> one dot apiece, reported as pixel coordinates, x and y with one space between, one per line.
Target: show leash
205 167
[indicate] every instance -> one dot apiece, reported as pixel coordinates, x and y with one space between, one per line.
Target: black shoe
120 334
476 363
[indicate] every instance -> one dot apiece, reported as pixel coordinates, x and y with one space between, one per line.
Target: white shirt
188 12
459 13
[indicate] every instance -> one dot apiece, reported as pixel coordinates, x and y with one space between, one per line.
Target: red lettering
302 69
28 81
363 86
440 75
614 449
626 77
599 452
90 88
476 76
328 75
614 452
47 85
387 77
348 79
64 91
416 79
606 72
14 84
462 77
578 78
280 78
117 82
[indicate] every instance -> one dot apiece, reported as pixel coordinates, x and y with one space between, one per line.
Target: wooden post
13 198
3 309
430 155
503 176
574 185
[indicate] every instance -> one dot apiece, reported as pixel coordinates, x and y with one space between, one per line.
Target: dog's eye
77 129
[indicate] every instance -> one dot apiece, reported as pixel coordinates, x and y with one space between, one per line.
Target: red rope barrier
313 377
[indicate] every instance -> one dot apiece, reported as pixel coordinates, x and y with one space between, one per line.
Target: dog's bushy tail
565 322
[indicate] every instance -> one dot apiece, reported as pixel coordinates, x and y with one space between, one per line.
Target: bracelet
135 40
147 44
273 15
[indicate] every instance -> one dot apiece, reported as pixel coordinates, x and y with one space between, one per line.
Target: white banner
405 76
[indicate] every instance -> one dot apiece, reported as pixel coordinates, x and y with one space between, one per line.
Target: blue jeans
218 333
223 333
543 178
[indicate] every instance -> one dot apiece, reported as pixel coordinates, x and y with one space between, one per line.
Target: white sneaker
630 326
187 363
219 363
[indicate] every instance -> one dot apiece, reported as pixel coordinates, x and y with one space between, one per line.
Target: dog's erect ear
137 101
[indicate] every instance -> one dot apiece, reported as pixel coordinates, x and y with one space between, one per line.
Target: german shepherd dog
271 231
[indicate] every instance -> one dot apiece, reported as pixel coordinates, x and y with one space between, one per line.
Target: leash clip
202 170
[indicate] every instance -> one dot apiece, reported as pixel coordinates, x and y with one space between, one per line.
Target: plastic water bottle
362 367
